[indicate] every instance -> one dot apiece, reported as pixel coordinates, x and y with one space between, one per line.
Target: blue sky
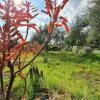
72 9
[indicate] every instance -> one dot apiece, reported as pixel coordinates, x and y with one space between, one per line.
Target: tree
43 36
94 22
58 37
76 36
14 17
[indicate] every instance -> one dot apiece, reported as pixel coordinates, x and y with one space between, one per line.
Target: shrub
75 49
54 48
45 60
88 50
85 51
68 48
35 83
81 52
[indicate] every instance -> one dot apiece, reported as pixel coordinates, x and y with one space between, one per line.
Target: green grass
66 72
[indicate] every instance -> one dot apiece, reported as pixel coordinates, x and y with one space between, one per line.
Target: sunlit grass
67 73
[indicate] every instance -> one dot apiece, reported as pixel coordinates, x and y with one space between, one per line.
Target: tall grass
66 72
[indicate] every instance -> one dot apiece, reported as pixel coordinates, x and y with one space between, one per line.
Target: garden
57 60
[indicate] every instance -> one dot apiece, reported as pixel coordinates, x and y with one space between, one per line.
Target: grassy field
67 73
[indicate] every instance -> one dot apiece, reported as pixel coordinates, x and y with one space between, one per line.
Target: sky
72 9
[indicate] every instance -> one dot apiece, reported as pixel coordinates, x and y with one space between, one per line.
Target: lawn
65 72
68 75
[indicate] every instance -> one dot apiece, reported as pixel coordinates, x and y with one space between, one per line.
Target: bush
68 48
18 91
88 49
85 51
54 48
75 49
81 52
35 83
45 60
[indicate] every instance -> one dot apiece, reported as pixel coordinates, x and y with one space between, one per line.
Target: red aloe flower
15 17
26 16
1 6
53 10
21 37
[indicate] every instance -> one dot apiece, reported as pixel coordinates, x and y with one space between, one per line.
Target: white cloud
72 9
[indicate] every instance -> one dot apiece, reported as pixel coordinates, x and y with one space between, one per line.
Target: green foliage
90 21
94 15
75 49
82 52
41 37
54 48
85 51
94 22
58 37
17 92
76 36
45 59
34 83
64 73
68 48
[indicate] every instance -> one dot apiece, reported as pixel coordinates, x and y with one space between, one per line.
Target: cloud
72 9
